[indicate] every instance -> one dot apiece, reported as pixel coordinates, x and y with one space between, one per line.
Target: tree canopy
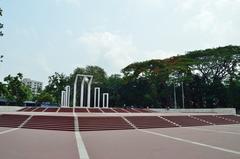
203 78
15 91
206 74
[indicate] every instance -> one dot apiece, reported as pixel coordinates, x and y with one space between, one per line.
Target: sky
46 36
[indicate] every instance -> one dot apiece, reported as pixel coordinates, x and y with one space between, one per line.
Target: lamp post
183 100
175 96
183 96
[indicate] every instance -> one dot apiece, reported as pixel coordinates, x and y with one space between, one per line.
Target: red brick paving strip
23 109
81 110
131 110
12 121
107 110
213 119
145 122
120 110
30 109
102 123
233 118
95 110
185 121
61 123
66 110
39 109
51 110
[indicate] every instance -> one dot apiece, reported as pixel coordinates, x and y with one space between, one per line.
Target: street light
174 95
183 100
183 97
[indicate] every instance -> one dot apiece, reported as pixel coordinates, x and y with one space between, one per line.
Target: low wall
9 108
210 110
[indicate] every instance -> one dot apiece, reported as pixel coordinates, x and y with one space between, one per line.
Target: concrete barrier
9 108
231 111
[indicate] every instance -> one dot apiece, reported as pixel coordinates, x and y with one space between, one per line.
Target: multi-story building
35 86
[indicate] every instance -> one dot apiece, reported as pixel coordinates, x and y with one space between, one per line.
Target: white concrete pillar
67 95
105 100
87 79
82 93
89 93
63 98
97 97
75 92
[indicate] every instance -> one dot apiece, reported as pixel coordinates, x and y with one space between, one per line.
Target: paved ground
170 143
38 144
202 142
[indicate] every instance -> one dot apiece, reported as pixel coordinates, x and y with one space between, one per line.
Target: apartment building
35 86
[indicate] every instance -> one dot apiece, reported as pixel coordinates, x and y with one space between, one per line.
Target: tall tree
216 64
44 97
16 90
56 84
203 72
113 86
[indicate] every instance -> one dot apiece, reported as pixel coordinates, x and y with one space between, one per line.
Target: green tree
44 97
56 84
99 78
98 73
113 86
16 90
203 72
3 89
216 64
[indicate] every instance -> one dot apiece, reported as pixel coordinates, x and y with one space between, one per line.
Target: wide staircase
186 121
102 123
81 110
108 110
110 122
233 118
146 122
51 110
12 121
66 110
95 110
214 119
62 123
85 110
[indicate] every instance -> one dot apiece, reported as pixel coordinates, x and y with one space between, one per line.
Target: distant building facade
35 86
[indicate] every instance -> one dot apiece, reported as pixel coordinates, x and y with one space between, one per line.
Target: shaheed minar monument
85 79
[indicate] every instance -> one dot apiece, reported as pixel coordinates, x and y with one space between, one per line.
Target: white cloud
30 33
111 50
115 51
216 17
210 23
69 32
71 2
135 30
42 62
152 3
159 54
